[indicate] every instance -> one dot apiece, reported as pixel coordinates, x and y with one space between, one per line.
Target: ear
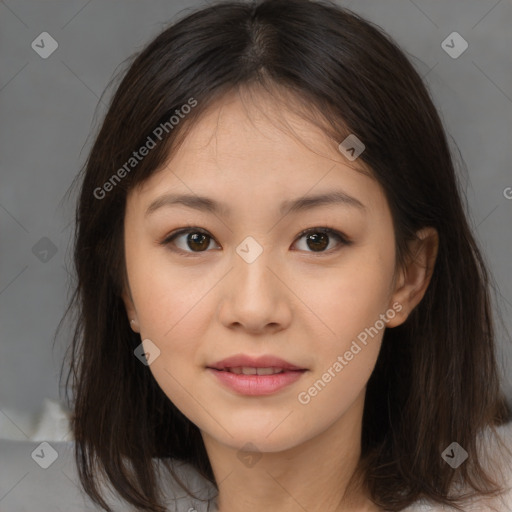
130 310
413 280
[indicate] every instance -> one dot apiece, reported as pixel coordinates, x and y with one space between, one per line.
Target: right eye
196 238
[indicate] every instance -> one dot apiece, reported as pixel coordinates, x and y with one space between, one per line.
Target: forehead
253 140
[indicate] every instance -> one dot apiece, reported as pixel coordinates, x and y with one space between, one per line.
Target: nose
255 297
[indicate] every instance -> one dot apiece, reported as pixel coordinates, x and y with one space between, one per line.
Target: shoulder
42 476
498 462
204 492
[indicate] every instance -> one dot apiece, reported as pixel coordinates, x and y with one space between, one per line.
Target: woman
277 283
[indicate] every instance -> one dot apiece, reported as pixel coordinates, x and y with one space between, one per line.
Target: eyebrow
206 204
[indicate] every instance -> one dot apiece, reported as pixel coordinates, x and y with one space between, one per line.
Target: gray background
50 108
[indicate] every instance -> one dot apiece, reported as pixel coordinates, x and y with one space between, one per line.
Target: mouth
255 376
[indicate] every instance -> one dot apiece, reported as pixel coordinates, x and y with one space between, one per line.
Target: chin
257 438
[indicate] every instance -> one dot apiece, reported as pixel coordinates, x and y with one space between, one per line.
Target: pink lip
254 385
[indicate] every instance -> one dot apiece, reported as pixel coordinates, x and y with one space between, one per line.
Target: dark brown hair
353 76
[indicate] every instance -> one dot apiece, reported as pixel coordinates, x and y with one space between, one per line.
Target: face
244 279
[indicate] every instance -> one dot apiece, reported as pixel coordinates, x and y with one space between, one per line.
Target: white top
27 486
499 466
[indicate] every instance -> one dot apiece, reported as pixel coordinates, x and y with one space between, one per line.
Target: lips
256 376
251 365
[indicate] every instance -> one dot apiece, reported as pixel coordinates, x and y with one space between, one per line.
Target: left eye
198 240
319 238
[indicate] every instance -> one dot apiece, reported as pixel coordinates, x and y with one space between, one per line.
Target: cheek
169 304
352 297
352 308
170 316
165 294
351 305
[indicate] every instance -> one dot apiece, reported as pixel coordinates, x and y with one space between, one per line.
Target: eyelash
342 239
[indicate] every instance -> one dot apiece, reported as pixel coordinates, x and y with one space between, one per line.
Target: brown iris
200 239
320 241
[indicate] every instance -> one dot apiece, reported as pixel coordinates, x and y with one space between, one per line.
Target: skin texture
301 304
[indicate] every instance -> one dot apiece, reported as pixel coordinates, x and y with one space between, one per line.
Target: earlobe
130 311
413 280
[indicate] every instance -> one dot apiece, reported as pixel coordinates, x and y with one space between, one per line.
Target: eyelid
343 239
